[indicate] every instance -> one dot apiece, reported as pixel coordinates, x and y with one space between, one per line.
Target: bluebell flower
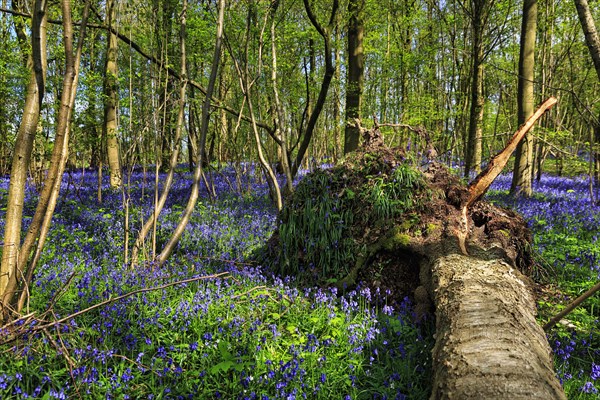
595 374
589 387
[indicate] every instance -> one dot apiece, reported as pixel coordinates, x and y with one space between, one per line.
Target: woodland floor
277 339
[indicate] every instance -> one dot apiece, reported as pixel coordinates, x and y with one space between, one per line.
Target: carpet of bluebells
247 335
250 335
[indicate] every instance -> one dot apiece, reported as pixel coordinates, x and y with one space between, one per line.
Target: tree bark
356 67
324 32
111 100
41 221
479 11
474 144
592 39
523 169
488 343
279 114
10 270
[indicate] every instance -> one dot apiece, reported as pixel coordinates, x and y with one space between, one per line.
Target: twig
60 349
24 318
65 353
248 291
226 261
59 293
257 288
136 363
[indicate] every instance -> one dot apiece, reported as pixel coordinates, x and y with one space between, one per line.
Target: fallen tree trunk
488 343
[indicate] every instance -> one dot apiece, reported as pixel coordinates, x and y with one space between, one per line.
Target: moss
431 228
402 239
406 225
395 240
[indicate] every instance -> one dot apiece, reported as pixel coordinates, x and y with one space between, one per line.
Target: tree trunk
279 114
40 225
479 17
474 144
111 100
356 67
9 269
324 32
592 39
488 343
523 169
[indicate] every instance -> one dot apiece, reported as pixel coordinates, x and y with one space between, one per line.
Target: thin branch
574 304
482 182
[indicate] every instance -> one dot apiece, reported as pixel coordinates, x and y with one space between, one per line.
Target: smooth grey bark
592 40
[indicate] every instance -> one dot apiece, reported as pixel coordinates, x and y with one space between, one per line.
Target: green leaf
222 366
224 350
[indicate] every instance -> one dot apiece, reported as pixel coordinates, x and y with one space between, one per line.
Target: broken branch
482 182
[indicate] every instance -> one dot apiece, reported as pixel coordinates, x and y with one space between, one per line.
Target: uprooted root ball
374 218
